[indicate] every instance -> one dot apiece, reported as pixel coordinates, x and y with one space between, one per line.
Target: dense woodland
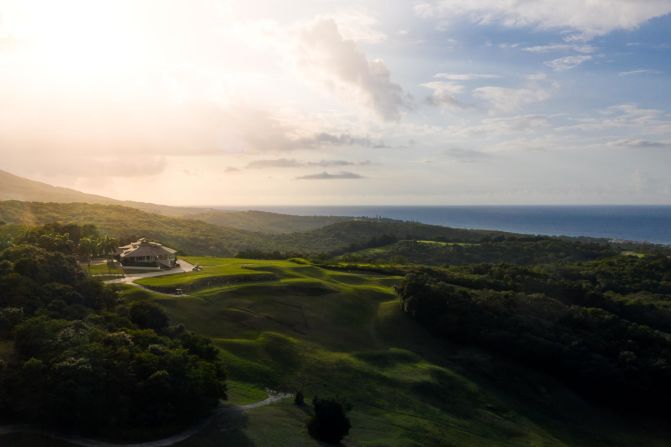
84 361
603 327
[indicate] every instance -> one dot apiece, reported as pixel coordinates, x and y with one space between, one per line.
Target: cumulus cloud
340 63
504 99
444 93
567 63
588 18
327 176
358 26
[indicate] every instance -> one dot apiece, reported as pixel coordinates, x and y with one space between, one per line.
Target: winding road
272 398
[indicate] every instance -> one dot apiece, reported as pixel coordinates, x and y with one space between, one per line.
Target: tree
148 316
87 247
329 423
106 246
299 398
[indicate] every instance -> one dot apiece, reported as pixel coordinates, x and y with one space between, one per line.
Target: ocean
630 223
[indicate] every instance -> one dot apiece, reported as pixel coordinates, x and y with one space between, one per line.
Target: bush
329 423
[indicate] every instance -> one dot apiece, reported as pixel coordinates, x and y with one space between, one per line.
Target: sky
325 102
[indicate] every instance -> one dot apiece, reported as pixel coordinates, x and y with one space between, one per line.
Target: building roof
143 247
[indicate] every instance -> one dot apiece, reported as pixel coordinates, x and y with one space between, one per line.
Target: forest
602 326
84 361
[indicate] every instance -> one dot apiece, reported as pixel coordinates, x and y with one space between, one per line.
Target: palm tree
107 246
87 247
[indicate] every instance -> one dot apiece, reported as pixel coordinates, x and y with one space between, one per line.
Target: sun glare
82 39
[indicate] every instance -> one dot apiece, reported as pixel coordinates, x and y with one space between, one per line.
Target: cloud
278 163
588 18
626 117
329 163
326 176
640 144
444 93
329 139
292 163
358 26
567 63
465 76
560 47
467 155
504 99
640 71
342 65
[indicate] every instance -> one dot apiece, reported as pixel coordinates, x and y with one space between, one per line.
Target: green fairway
340 333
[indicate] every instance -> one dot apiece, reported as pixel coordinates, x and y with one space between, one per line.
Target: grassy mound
354 342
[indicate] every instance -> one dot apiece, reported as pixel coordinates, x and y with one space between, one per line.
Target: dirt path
165 442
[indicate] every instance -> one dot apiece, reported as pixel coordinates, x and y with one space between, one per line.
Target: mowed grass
333 333
102 269
217 269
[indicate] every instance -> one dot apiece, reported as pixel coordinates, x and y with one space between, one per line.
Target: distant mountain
13 187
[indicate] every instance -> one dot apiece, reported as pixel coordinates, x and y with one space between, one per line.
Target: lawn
102 269
339 333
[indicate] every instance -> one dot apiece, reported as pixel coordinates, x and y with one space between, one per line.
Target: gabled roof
143 247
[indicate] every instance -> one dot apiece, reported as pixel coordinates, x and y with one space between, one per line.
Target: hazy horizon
432 103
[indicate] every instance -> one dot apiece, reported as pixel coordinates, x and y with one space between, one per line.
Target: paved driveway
130 277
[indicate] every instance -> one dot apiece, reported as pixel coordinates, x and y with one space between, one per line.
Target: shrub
329 423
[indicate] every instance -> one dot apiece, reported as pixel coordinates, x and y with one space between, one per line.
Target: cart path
272 398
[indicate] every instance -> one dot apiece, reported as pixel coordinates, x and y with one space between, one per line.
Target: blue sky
261 102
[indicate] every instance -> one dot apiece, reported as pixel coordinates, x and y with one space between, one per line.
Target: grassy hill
343 333
13 187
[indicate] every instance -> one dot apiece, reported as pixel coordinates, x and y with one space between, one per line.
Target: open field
102 268
340 333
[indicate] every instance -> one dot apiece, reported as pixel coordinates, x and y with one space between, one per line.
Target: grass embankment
342 333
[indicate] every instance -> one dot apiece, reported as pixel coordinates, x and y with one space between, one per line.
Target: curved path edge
165 442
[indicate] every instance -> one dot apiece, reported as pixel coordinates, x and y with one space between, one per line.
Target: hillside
530 250
337 333
265 222
197 237
13 187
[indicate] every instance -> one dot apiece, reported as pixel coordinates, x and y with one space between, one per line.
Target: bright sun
81 39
